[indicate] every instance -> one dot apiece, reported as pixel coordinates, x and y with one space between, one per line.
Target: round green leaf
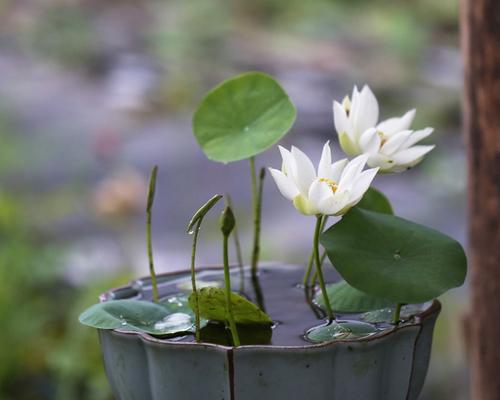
212 304
344 298
389 257
242 117
326 333
387 314
340 330
137 315
375 200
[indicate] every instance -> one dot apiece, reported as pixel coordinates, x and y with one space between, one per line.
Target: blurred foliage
45 353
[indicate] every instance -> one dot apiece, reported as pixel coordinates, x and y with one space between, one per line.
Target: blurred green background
94 93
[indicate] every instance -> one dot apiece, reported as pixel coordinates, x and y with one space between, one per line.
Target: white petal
370 141
336 169
412 156
365 115
417 136
288 166
351 172
362 184
341 121
349 147
394 142
305 173
340 204
397 124
381 161
285 184
303 204
319 192
325 162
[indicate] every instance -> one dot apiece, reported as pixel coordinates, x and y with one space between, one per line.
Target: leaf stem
229 308
193 280
149 207
397 314
317 231
257 188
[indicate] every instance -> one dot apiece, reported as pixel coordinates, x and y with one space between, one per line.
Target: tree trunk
481 47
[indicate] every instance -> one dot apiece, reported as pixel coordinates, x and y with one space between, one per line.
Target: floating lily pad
176 303
339 330
389 257
141 316
344 298
242 117
387 314
375 200
212 304
326 333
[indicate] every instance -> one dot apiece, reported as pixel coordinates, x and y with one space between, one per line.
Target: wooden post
480 23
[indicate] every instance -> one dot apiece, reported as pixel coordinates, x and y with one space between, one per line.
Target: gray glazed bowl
391 365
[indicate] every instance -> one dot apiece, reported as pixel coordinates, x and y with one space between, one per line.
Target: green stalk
149 207
194 229
193 279
229 308
237 246
307 275
315 275
322 285
257 188
397 314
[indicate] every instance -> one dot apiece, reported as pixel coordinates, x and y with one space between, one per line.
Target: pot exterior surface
391 365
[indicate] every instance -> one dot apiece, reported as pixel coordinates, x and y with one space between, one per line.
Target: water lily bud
227 221
152 188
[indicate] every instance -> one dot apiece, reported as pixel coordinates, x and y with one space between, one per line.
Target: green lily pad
326 333
387 314
389 257
176 303
140 316
375 200
242 117
344 298
339 330
212 304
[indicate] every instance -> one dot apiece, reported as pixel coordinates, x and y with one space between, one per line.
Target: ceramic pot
390 365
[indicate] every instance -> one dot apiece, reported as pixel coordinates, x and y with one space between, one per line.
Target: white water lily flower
390 145
332 190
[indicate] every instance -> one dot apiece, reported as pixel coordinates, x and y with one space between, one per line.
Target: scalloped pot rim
434 308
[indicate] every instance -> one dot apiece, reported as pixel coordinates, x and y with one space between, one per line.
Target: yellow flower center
330 183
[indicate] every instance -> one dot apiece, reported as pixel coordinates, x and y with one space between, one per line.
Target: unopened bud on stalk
227 221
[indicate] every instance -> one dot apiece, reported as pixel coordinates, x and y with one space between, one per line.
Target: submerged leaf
344 298
242 117
212 303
